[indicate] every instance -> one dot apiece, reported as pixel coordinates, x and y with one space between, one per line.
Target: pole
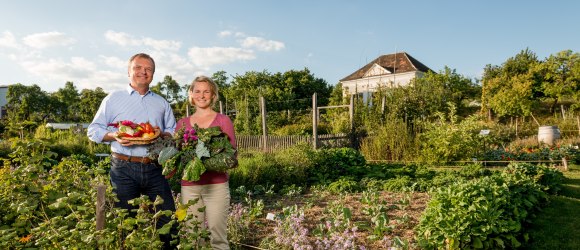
351 114
578 122
314 122
264 127
100 216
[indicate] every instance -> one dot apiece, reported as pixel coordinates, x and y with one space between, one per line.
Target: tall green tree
512 89
67 100
221 80
285 93
245 91
90 100
169 89
28 103
27 106
559 79
174 93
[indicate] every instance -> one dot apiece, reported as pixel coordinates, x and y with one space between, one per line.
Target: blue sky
88 42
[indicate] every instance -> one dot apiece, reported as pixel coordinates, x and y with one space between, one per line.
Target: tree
512 89
26 107
285 94
90 100
173 93
28 103
559 80
169 89
67 101
221 80
244 92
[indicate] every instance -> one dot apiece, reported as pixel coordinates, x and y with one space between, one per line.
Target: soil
403 211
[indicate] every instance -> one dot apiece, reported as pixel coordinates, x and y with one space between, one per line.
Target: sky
49 43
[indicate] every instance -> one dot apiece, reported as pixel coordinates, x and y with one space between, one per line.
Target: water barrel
548 134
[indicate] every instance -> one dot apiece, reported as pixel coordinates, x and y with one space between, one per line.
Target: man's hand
112 136
123 142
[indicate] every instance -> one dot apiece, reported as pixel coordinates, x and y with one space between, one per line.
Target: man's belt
144 160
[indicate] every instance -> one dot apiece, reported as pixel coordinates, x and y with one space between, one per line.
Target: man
132 173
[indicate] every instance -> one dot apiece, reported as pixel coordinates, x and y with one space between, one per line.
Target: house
389 71
3 100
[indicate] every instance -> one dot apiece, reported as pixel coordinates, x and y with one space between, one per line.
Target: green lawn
558 225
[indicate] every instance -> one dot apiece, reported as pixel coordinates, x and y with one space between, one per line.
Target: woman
212 189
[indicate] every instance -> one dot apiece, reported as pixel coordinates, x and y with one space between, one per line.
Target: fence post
100 216
578 122
565 164
264 127
351 115
314 122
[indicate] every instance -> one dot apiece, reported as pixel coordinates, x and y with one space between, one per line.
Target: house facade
390 71
3 100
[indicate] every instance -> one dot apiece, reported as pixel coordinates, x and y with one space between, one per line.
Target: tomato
148 128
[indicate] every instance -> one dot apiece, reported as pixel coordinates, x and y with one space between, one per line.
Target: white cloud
8 40
162 44
262 44
114 62
47 39
85 74
225 33
206 57
78 67
124 39
179 67
121 38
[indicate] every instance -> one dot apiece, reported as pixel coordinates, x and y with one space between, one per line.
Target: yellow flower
180 213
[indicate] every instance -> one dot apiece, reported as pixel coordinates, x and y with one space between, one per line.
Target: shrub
550 178
392 141
283 168
475 170
330 164
342 185
451 141
488 212
397 184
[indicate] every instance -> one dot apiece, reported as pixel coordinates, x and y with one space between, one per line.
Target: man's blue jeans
132 179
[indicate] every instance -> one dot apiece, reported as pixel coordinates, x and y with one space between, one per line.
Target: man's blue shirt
129 105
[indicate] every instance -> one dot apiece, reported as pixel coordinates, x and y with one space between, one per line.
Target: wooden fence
277 142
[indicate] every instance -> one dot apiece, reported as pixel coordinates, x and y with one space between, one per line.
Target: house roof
404 63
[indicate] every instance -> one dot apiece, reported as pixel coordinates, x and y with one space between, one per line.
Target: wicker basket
143 141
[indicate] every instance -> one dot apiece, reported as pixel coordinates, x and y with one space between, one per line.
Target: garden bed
403 211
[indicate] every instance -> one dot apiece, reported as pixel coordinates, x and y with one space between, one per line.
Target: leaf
165 229
170 165
193 170
477 243
167 153
201 150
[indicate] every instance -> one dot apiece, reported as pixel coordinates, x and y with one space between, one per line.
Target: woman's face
202 95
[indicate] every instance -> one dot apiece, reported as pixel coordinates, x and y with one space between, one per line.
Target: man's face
141 71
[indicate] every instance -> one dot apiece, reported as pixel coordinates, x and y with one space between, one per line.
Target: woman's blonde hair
212 86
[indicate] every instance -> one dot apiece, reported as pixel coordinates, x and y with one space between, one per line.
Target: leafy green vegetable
191 152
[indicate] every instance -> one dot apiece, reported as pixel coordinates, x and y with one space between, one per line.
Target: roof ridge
398 62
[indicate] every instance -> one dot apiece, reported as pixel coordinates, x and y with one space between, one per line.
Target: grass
556 227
